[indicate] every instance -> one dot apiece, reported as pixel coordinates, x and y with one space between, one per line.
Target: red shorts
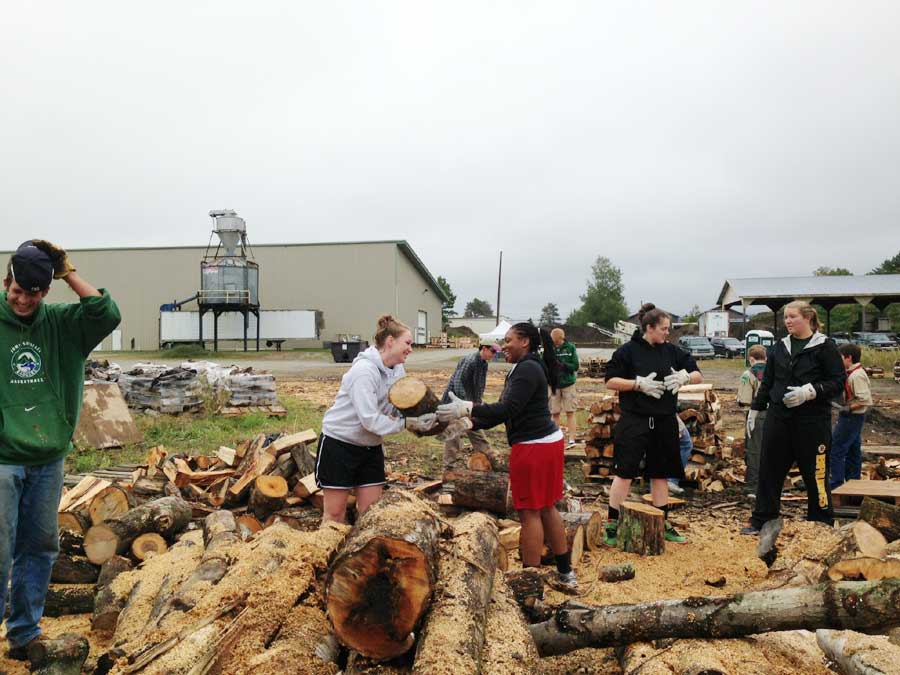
536 474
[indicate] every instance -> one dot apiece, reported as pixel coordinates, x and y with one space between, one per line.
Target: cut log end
148 545
641 529
100 543
110 503
479 461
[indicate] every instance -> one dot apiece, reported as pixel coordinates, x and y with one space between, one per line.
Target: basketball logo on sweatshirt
26 361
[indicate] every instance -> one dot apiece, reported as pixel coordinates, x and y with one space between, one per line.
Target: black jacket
818 364
524 404
639 357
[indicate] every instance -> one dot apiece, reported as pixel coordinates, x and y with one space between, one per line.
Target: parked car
698 347
879 341
838 340
728 347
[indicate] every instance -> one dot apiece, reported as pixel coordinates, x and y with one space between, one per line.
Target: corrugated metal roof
834 287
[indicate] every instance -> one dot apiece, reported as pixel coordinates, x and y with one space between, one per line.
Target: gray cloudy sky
658 134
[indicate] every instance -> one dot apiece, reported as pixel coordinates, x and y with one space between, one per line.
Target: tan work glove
61 264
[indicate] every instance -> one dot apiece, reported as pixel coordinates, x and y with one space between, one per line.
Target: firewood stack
593 367
699 409
599 446
897 370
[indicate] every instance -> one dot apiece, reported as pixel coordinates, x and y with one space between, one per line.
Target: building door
117 340
422 328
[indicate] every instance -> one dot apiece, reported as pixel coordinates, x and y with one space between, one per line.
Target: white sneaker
571 444
676 489
569 579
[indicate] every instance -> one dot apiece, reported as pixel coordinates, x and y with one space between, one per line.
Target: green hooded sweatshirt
42 375
569 358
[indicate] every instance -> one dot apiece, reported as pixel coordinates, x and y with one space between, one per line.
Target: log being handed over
381 581
414 398
846 604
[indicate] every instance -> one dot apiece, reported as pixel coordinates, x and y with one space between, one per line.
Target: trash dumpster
345 351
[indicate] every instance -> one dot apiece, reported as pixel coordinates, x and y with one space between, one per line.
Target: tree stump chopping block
453 636
165 516
641 529
380 584
64 655
414 398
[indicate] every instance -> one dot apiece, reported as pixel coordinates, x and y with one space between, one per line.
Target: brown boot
20 653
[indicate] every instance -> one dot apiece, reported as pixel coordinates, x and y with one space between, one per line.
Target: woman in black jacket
536 443
804 372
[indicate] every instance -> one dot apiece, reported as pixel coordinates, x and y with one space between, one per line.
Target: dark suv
728 347
697 346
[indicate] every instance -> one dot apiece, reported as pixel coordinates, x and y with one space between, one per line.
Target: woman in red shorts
537 444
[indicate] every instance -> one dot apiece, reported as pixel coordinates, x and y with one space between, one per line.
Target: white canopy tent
497 334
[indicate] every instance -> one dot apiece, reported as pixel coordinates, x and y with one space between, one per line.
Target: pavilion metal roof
828 291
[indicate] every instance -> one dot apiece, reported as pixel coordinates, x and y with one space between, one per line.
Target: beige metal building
351 284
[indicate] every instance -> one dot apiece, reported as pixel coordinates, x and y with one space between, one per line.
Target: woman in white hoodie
350 454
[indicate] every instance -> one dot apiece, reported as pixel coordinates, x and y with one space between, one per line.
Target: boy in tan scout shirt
747 387
846 439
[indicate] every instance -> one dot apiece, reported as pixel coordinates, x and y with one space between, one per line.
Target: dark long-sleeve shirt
468 380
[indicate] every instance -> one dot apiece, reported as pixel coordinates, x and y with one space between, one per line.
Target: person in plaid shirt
467 382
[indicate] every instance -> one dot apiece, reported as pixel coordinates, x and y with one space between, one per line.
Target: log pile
599 447
594 367
897 370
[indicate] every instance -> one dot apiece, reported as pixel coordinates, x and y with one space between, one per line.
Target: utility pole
499 279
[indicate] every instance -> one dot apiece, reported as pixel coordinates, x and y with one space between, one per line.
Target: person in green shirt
563 400
43 348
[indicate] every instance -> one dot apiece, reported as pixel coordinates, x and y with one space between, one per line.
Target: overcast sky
686 141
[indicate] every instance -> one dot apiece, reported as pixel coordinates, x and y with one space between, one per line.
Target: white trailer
714 323
275 325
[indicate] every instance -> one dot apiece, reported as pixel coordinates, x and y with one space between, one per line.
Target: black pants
806 441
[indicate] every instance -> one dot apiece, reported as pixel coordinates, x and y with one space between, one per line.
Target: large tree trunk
846 604
65 599
73 569
641 529
64 655
508 646
480 490
882 516
380 584
107 604
166 516
453 635
857 654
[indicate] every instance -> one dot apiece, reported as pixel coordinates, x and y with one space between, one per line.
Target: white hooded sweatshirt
361 413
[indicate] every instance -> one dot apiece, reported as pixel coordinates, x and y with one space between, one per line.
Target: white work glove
447 412
676 380
422 424
840 407
751 421
799 395
455 429
650 385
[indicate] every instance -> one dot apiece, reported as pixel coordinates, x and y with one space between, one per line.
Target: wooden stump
641 529
147 545
110 503
414 398
73 569
107 604
882 516
453 635
166 516
64 655
380 584
480 490
268 495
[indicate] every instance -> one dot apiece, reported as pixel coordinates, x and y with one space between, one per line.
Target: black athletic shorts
651 439
344 465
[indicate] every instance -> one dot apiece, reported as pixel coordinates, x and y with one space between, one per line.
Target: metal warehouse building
350 283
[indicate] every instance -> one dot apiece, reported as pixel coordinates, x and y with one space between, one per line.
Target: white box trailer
713 323
274 324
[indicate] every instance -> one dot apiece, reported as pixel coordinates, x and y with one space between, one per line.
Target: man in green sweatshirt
564 401
43 348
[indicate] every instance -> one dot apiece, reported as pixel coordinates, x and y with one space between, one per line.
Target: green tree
693 315
603 302
478 309
826 271
449 303
549 315
889 266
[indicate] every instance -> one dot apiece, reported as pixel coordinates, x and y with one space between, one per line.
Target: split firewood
414 398
227 455
65 599
882 516
286 443
248 526
480 490
380 584
858 654
64 655
508 646
641 529
453 635
166 516
306 486
858 539
304 460
257 465
866 569
107 604
268 495
111 502
80 496
75 522
845 604
147 545
73 569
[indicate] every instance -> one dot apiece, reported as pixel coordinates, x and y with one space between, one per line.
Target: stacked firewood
897 370
599 447
700 410
593 367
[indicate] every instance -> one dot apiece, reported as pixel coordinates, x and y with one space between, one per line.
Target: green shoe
672 535
611 533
